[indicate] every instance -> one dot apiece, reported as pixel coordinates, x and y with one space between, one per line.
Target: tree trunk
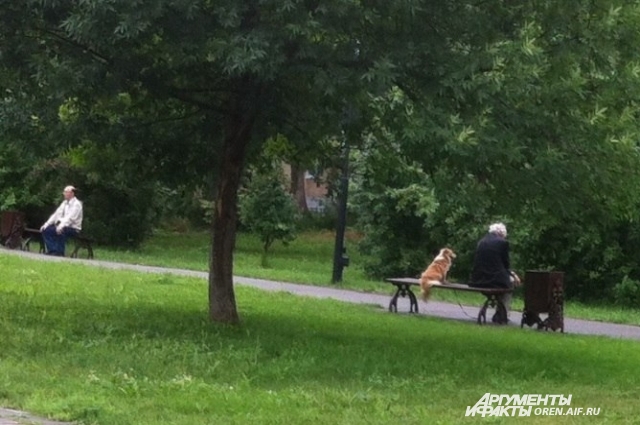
222 301
298 188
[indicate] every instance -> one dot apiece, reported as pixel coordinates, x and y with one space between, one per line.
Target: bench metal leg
404 291
74 254
413 302
482 314
26 245
82 244
393 304
495 302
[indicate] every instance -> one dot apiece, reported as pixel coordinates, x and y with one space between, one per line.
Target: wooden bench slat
452 286
404 284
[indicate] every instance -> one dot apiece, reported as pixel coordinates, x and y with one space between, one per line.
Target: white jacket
68 214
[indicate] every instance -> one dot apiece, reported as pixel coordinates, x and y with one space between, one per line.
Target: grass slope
115 347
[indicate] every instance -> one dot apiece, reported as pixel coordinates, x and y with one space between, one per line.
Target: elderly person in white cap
65 222
491 266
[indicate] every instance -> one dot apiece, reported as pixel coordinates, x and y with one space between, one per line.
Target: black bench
403 288
80 242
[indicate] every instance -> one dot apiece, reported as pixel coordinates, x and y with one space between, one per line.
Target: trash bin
11 226
544 293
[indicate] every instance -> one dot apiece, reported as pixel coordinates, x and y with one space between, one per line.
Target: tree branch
85 49
170 119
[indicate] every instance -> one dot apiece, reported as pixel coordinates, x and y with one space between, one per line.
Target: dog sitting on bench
436 273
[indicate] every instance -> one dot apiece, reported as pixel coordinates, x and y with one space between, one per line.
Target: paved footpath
433 308
16 417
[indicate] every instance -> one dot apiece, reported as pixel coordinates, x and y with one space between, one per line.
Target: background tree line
458 113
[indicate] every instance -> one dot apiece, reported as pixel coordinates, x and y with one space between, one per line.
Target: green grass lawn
309 260
115 347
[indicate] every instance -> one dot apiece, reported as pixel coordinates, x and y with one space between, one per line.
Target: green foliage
267 209
120 201
189 205
475 111
324 220
119 216
185 91
527 122
25 139
627 292
12 169
393 199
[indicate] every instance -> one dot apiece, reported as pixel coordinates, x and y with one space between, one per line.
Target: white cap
70 189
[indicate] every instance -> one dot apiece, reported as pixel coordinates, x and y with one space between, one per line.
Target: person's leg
50 237
67 232
505 299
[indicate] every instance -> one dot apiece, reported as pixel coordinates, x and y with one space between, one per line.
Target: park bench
80 242
404 284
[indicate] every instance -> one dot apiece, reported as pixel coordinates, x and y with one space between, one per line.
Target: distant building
315 193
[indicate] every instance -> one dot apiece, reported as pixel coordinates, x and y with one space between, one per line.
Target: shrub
118 216
627 292
267 210
325 220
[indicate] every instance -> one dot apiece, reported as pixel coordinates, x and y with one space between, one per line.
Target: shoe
499 320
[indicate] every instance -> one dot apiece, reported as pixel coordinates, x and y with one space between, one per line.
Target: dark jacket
491 263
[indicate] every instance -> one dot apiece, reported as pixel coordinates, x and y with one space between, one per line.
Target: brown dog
436 273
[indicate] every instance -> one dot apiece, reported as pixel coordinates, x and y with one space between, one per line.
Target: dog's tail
425 287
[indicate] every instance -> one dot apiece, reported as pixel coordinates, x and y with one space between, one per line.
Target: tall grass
114 347
309 260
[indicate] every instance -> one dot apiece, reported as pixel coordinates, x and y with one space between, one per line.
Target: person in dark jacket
491 266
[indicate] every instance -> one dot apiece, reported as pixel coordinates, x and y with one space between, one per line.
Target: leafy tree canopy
537 127
500 109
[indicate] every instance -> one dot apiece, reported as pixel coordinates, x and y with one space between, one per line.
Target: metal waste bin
11 226
543 293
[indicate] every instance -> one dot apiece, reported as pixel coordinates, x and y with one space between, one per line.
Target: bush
267 210
325 220
627 292
184 207
118 216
